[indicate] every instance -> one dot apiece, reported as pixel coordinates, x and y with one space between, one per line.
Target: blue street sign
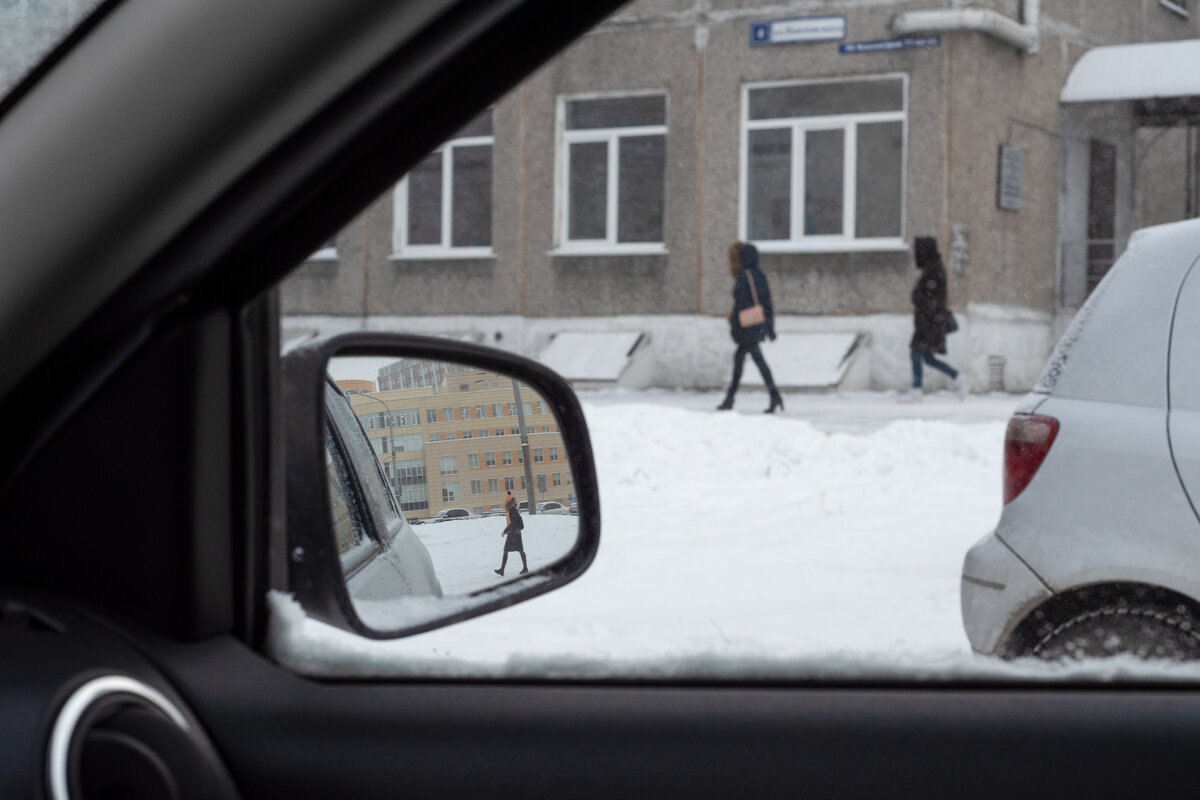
884 45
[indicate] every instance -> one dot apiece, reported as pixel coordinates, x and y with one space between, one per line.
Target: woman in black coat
931 318
743 268
512 534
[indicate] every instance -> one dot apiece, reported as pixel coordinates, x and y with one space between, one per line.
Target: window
477 509
473 460
556 478
476 487
514 431
505 458
493 485
449 492
823 165
468 435
496 409
407 441
490 459
613 155
443 207
408 480
449 465
545 429
483 432
431 415
538 456
433 437
447 414
541 406
1178 6
451 435
464 412
554 454
509 484
523 482
512 409
407 416
480 411
520 455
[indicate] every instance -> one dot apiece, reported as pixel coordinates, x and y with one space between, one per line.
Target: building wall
965 99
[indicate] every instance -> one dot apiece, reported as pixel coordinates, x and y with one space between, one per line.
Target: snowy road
835 531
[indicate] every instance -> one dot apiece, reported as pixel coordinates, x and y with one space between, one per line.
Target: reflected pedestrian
932 320
512 534
751 321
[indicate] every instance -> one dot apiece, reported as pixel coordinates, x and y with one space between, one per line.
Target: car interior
160 171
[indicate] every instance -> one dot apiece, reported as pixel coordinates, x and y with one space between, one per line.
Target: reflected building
459 443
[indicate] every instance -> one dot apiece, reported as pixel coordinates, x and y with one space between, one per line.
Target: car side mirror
381 432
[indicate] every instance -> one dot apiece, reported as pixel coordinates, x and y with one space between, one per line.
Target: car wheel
1143 631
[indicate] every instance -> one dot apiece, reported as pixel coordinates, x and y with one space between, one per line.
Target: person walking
752 320
512 532
931 319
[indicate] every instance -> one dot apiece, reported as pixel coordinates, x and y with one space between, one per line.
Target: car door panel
1183 379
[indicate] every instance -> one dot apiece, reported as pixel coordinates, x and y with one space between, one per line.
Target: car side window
362 462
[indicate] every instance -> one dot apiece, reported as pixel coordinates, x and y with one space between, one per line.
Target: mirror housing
314 570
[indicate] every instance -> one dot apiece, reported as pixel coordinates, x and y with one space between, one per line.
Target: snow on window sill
443 254
835 246
610 250
1178 9
324 254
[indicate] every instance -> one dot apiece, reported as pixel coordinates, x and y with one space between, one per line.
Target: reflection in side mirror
456 480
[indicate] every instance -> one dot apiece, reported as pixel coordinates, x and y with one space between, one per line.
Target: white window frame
611 136
800 126
1178 7
401 249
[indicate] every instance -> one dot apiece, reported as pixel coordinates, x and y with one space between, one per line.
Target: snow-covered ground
824 541
465 552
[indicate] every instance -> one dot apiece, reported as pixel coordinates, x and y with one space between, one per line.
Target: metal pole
525 449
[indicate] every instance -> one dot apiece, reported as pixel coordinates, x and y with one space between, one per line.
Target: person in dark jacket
512 534
931 318
743 268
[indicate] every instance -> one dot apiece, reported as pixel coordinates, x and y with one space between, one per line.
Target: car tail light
1026 444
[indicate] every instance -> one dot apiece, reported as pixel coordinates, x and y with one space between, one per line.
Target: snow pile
736 545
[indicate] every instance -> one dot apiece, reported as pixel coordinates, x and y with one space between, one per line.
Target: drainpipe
1021 35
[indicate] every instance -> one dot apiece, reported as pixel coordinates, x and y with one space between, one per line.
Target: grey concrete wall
965 99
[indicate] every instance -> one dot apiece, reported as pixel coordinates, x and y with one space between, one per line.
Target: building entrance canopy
1135 72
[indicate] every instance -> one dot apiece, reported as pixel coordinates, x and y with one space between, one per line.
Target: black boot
499 572
776 402
524 564
727 403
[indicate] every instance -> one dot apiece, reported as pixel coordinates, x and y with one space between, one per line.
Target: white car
452 514
1098 546
552 507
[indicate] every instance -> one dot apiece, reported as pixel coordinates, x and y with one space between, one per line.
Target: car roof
1141 286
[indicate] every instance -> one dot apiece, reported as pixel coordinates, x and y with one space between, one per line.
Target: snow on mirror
446 481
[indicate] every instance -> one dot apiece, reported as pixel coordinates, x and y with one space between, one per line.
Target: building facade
461 443
601 194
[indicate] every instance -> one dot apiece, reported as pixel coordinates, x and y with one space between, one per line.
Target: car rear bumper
998 591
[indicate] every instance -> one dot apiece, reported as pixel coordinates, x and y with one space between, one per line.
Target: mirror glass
446 481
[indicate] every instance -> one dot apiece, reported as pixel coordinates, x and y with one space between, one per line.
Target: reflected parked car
1097 546
452 515
552 507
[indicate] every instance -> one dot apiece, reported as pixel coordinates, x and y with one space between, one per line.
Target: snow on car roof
1135 72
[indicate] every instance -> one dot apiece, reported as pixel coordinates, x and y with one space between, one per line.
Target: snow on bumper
997 591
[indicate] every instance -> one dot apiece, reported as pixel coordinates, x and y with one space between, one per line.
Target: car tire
1147 632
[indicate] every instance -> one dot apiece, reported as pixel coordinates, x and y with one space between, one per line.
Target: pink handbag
755 314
